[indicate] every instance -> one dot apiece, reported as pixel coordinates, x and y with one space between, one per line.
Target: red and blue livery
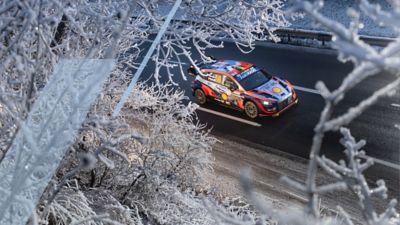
243 86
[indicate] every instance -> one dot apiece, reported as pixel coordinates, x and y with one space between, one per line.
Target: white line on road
306 89
378 161
296 196
229 117
287 192
382 162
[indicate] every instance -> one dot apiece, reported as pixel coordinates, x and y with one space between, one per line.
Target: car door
214 82
233 93
222 90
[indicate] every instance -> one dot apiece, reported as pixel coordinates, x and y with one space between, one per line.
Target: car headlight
267 103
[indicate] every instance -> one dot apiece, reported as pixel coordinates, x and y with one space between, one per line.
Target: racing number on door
232 92
222 93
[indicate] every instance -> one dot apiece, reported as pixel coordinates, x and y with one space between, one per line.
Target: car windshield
254 80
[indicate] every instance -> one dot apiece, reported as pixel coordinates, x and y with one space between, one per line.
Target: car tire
201 98
251 109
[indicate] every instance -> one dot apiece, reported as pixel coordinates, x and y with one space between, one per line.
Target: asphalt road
292 132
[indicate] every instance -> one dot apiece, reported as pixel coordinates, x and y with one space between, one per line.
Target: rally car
243 86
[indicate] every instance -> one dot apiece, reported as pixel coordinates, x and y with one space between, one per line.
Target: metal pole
146 59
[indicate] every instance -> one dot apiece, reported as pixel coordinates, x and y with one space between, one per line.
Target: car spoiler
192 69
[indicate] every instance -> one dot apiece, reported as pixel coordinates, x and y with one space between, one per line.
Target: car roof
232 67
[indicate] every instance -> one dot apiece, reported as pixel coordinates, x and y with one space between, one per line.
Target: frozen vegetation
147 166
337 10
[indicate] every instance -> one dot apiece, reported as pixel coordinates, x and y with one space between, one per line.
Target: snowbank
337 10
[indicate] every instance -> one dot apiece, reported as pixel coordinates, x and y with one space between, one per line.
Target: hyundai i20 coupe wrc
242 86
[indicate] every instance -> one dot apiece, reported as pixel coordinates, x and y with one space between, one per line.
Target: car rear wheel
200 96
251 109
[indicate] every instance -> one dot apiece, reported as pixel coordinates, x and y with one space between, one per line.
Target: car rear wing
193 69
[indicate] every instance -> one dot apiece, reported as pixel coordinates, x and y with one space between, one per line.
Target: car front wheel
251 109
200 96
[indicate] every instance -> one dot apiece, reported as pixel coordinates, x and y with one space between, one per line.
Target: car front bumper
264 112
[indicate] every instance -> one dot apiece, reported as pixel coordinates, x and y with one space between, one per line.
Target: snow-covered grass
337 10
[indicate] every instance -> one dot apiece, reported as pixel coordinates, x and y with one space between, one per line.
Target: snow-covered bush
35 35
149 162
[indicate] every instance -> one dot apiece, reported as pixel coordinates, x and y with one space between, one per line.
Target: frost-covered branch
204 24
351 173
151 160
368 62
36 34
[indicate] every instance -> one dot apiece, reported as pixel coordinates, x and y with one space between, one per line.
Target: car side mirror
233 87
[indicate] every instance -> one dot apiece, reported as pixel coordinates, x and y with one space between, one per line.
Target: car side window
216 78
229 83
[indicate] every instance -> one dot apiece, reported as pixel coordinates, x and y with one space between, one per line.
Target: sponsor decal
225 65
276 90
224 96
231 66
246 73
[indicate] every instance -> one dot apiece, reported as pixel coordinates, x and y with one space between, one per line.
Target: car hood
274 88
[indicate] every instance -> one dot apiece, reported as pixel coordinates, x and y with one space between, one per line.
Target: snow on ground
268 166
333 9
337 10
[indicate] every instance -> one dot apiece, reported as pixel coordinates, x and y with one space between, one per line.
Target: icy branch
367 62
